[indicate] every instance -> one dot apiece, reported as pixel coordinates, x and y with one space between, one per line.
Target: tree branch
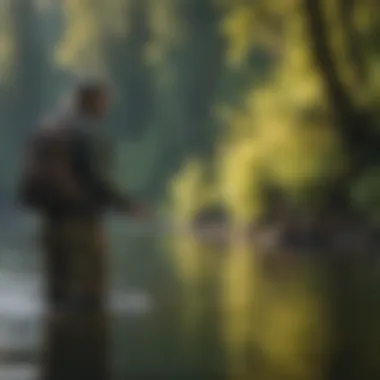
352 39
354 125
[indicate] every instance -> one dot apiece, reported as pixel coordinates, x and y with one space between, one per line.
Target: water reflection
76 347
280 315
186 309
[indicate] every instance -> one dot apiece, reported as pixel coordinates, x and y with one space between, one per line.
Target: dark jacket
68 168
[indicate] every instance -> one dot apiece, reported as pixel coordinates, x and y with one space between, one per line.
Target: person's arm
98 186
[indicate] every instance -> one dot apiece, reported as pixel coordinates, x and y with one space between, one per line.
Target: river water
181 309
145 306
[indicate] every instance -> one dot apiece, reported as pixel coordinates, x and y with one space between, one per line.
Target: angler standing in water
65 180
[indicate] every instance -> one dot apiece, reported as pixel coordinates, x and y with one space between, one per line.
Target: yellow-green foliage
285 133
81 45
239 169
7 43
189 192
286 130
90 26
166 30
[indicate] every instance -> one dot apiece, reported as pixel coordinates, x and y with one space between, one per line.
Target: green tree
186 53
309 129
22 76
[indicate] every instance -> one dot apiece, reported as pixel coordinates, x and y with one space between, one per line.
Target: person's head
92 98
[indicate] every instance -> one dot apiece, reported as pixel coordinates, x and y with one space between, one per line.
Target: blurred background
253 125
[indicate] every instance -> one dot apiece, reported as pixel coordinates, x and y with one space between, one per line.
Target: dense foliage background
227 103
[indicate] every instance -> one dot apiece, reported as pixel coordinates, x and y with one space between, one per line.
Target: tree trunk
353 124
